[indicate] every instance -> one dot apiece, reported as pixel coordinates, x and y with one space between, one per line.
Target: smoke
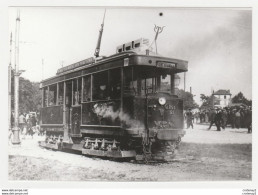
107 111
217 55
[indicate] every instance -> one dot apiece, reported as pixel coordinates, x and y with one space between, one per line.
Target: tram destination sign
76 65
166 65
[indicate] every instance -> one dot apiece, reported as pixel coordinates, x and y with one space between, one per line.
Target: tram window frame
60 93
87 88
44 97
76 91
68 93
115 83
163 87
79 89
129 82
155 79
52 95
100 86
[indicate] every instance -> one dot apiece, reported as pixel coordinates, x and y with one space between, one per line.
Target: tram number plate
166 65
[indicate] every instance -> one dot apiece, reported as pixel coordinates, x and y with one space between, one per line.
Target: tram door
76 108
68 104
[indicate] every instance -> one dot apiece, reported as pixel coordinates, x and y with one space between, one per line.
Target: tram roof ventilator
140 46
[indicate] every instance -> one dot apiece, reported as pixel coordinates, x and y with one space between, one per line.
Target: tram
120 106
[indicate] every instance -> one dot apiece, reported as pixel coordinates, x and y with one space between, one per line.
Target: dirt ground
203 156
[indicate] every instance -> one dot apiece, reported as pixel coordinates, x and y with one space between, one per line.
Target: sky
216 42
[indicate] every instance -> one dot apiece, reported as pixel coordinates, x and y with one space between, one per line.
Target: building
223 97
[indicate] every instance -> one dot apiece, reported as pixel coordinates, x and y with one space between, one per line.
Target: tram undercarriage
138 148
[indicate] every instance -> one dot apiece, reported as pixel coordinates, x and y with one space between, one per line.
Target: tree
240 98
209 101
188 99
204 98
29 95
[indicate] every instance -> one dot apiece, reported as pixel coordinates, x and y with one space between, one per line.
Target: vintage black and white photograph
125 94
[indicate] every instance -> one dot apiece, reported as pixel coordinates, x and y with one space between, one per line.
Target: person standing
237 119
189 119
33 120
224 119
21 122
218 119
212 118
242 117
248 119
206 117
201 116
233 118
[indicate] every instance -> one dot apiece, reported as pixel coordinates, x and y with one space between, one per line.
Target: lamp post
10 87
16 130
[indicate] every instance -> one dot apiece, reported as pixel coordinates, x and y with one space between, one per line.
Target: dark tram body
119 106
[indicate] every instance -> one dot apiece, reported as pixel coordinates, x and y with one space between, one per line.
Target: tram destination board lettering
76 65
166 65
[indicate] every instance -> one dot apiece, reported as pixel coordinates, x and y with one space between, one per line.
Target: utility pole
42 69
10 87
16 130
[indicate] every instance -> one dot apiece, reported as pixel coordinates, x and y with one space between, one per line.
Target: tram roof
123 59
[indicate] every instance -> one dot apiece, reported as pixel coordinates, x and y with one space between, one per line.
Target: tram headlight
162 101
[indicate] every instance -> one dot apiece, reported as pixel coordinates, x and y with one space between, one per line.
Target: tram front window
156 80
139 81
165 83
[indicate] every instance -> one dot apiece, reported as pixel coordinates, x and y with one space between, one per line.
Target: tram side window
115 83
44 96
100 86
87 88
77 91
52 95
61 93
68 99
130 84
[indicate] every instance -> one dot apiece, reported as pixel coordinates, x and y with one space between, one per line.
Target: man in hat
212 117
218 119
248 119
233 117
224 118
189 118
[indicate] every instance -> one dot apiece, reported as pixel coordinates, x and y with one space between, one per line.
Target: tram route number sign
166 65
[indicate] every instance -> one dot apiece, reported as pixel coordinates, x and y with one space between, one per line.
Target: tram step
113 154
47 145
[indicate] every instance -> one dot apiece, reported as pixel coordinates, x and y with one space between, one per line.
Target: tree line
29 95
209 101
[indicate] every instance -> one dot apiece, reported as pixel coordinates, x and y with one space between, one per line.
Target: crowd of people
236 117
28 123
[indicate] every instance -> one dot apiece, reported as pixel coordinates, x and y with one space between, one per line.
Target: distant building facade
223 97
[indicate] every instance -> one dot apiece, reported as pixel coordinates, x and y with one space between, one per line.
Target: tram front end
156 104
